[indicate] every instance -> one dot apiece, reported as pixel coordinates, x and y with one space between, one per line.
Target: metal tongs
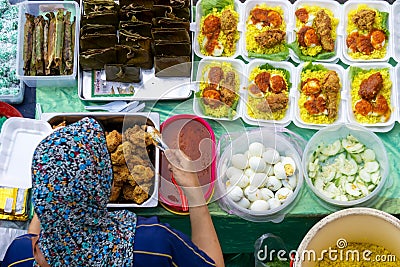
158 142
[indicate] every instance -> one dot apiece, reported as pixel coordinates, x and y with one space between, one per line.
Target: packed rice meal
319 94
218 34
367 33
268 93
370 94
315 33
357 254
219 87
266 33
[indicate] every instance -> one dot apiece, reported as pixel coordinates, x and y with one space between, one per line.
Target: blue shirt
156 244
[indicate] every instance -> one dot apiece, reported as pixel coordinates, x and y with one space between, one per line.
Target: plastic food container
285 121
382 6
350 225
249 5
196 27
119 122
336 9
333 133
396 30
282 140
195 137
19 138
298 121
40 8
237 65
378 127
17 98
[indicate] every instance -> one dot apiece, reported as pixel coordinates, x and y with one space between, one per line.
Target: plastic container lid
396 30
249 5
237 65
378 127
382 6
282 140
196 27
336 9
329 135
285 121
298 121
40 8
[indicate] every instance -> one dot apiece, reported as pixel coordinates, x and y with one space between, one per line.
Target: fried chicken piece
137 136
371 86
302 15
134 160
277 84
262 81
121 174
142 174
115 192
351 41
323 25
331 88
117 157
364 44
227 96
273 103
61 124
135 193
228 21
113 139
364 19
270 38
229 81
215 75
301 35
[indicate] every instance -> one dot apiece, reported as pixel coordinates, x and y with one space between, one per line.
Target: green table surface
236 234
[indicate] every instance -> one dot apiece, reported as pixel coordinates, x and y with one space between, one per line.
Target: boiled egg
239 161
259 205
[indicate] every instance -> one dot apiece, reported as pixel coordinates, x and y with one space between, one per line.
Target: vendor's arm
203 231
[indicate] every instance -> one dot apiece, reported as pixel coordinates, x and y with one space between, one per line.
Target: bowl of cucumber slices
346 165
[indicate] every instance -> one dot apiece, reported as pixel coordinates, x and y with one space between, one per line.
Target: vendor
72 178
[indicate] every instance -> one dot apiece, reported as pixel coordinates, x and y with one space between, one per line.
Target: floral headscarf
72 176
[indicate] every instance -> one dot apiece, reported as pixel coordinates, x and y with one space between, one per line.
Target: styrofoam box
382 6
40 8
396 85
196 27
250 4
19 138
288 116
336 9
396 30
296 97
237 65
378 127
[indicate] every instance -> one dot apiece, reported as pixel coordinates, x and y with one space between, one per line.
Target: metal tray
119 121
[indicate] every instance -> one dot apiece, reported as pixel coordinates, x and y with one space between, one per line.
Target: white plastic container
396 30
196 27
329 135
350 225
298 121
250 4
40 8
17 98
378 127
19 138
382 6
237 65
282 140
336 9
288 116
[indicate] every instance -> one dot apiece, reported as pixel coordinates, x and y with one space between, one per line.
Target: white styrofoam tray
18 139
296 96
396 30
336 9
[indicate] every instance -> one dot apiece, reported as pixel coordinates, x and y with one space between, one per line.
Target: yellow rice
222 36
351 27
304 114
385 91
312 11
222 110
252 102
252 32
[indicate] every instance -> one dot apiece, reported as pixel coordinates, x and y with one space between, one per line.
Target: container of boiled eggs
259 174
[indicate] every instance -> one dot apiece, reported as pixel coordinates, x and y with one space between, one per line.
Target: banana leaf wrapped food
97 41
135 13
173 3
109 17
122 73
68 55
181 12
134 56
139 27
143 3
133 39
99 6
98 29
161 11
38 45
170 34
172 66
171 23
60 31
166 48
95 59
28 42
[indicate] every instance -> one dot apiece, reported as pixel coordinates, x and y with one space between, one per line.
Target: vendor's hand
182 168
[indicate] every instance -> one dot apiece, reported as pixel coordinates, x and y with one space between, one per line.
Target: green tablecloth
237 235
